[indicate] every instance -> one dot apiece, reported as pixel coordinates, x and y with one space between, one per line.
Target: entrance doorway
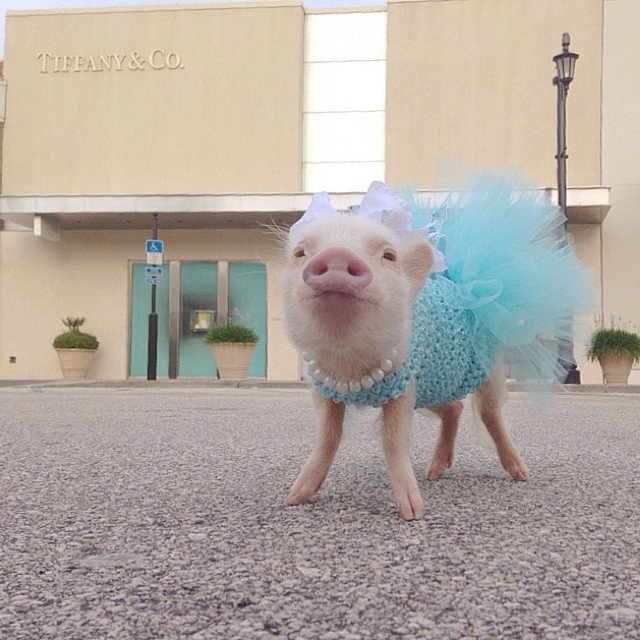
192 296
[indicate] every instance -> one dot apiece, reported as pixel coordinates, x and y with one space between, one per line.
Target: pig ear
417 260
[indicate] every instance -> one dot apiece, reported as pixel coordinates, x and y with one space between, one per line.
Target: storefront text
156 60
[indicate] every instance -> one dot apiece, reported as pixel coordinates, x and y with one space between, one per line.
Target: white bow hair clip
380 203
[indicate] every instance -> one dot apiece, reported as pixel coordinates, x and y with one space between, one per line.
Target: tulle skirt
514 268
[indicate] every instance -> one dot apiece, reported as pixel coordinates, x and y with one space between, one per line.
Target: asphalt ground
158 513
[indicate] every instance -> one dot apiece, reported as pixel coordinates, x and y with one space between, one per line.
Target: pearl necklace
356 384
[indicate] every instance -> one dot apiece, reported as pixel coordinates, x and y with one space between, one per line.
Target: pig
353 287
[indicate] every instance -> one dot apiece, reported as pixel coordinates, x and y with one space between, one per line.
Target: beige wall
469 80
621 162
226 119
473 80
587 243
88 274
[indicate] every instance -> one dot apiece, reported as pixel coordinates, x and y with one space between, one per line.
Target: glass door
198 309
247 305
200 293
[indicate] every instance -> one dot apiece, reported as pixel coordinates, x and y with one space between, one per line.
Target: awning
47 215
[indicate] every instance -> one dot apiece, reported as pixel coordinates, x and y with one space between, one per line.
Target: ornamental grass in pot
75 349
232 346
616 350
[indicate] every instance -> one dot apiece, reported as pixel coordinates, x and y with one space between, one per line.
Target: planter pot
75 362
616 369
232 359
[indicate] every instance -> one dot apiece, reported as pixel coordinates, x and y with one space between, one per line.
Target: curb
208 383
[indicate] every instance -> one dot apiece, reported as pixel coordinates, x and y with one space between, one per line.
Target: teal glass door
193 301
198 295
247 305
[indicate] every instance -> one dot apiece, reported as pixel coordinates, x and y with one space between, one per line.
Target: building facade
223 118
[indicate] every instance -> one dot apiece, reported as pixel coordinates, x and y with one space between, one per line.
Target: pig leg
315 470
396 424
449 414
488 403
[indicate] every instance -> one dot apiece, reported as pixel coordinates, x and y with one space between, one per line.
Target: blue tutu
507 252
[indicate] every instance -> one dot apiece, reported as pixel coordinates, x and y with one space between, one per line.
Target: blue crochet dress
512 278
443 360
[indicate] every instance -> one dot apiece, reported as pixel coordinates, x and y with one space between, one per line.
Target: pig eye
298 253
390 256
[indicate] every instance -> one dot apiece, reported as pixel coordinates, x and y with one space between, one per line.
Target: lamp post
565 67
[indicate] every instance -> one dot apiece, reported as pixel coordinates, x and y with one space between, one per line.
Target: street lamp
565 67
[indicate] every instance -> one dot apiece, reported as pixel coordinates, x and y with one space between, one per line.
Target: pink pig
348 292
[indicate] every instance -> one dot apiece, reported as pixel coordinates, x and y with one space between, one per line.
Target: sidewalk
257 383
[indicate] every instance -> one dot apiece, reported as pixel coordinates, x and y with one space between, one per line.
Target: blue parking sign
154 246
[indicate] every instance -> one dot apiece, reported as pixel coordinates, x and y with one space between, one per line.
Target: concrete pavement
156 512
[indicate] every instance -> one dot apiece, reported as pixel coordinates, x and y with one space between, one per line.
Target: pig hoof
517 470
413 513
520 474
297 497
439 464
294 501
412 508
512 463
436 469
434 473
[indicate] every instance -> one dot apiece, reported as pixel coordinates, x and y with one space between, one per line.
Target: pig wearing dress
381 322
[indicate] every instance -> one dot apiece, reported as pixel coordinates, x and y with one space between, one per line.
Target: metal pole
561 156
152 345
565 344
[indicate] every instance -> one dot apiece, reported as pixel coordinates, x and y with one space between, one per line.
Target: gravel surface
159 514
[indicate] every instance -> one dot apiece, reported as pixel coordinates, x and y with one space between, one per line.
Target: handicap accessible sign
154 249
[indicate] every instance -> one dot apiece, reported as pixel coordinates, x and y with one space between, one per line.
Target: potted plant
616 350
232 346
75 349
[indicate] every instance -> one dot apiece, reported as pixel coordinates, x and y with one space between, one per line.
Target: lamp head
565 61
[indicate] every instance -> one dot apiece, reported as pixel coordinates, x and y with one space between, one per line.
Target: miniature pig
358 298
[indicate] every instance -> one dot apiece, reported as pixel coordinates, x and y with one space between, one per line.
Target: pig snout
337 270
